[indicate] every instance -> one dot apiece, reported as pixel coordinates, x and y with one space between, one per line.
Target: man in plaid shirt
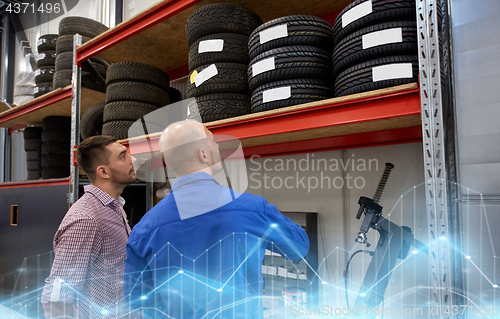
87 274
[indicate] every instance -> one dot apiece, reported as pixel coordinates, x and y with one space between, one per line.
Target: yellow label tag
193 75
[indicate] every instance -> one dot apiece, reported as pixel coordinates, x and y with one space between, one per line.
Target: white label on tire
206 74
38 72
392 71
263 66
276 32
40 57
35 90
40 41
211 46
377 38
276 94
357 12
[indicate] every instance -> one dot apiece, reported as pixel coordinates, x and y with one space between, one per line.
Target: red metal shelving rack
392 117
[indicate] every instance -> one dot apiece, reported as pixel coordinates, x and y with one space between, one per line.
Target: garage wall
133 7
476 52
337 206
476 48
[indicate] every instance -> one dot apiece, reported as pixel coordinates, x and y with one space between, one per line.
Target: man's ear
203 157
102 171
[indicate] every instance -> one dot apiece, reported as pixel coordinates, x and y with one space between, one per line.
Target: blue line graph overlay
289 287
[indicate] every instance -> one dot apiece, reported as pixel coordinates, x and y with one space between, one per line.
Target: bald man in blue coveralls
201 248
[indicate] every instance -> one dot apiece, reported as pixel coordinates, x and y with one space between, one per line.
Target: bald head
185 147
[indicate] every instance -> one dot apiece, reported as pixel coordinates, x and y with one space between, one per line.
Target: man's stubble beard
120 179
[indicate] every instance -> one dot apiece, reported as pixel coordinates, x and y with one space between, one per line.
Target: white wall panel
133 7
403 198
476 47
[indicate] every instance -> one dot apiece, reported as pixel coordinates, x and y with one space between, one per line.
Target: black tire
56 136
137 72
359 78
301 90
302 30
47 58
56 148
33 165
62 123
91 121
120 129
64 61
175 95
292 63
382 10
105 64
56 161
220 18
47 42
44 74
136 91
54 172
94 82
126 111
33 156
32 145
32 133
84 26
65 43
349 51
32 175
234 50
91 68
213 107
99 64
62 78
230 78
43 88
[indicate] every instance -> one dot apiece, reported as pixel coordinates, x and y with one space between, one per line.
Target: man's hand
58 310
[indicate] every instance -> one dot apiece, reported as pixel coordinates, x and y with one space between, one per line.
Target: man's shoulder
84 208
245 202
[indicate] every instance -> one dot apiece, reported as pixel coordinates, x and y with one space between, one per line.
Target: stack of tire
88 29
290 62
134 90
45 64
217 37
33 147
375 46
56 147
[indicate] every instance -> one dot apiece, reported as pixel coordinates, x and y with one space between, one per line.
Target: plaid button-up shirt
89 249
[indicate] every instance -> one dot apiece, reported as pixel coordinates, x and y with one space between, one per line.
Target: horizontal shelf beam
371 139
36 104
36 183
55 103
373 118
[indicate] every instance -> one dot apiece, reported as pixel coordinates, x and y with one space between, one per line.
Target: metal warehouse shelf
157 35
57 102
378 117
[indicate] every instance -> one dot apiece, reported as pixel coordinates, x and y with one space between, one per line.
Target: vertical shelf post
75 120
438 149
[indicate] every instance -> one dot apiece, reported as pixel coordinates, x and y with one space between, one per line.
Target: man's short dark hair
92 152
